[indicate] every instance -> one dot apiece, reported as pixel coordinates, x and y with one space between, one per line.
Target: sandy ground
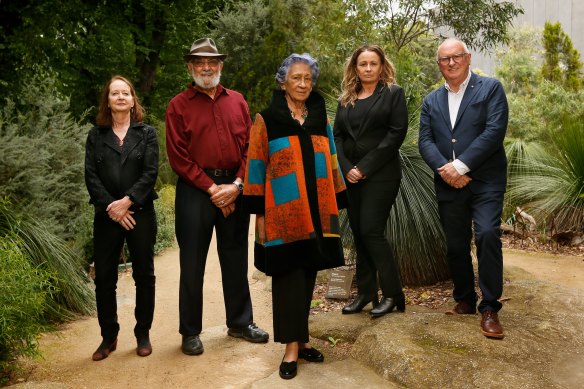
226 362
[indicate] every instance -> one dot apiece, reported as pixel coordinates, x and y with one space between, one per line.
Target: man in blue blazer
462 127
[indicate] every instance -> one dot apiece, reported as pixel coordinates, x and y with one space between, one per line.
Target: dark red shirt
205 133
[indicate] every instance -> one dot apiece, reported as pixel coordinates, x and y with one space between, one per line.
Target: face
298 83
206 71
368 67
120 97
453 72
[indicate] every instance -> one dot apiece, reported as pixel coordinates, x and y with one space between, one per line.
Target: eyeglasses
199 63
456 58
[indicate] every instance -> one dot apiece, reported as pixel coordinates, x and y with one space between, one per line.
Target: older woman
121 166
370 126
294 187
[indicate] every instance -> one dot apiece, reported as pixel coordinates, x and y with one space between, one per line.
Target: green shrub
165 217
24 294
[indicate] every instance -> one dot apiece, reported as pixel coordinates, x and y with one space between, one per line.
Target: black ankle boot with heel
359 303
387 304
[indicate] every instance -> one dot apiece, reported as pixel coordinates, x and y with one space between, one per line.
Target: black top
358 112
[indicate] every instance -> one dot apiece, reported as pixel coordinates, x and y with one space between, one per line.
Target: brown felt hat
204 47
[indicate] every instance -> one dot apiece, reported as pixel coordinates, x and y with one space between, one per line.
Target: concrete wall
570 13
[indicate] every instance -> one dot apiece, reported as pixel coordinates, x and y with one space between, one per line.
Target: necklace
304 113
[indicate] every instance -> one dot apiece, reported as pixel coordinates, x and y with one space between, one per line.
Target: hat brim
203 54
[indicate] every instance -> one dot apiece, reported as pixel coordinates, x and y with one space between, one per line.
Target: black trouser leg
108 240
232 244
195 218
370 203
141 242
291 297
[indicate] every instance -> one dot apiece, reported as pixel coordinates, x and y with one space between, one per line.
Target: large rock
424 348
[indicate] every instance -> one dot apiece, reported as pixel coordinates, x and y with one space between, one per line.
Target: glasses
199 63
456 58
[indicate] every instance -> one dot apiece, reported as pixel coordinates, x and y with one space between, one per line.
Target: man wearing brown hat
207 135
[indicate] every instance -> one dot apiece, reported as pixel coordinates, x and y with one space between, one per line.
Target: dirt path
226 362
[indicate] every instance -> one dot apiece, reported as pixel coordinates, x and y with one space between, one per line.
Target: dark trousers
291 297
196 217
369 205
108 241
457 217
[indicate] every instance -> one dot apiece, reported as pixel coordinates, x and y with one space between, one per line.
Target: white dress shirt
454 100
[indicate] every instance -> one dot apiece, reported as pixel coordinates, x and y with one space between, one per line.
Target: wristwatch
239 185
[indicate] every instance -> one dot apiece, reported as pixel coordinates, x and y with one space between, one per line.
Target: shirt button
453 140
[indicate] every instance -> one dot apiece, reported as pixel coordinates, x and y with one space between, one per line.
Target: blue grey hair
306 58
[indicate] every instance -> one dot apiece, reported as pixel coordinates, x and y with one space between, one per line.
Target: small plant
333 341
315 303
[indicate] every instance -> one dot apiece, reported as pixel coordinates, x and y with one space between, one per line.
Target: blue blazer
476 139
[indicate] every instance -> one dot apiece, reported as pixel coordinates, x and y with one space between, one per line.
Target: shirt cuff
460 167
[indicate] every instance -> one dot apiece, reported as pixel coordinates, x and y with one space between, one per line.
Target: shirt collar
462 86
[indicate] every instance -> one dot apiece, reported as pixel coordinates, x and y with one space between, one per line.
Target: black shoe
106 347
310 355
288 370
359 303
387 304
144 346
251 333
192 345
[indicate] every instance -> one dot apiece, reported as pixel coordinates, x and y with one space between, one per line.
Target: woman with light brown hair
121 166
370 126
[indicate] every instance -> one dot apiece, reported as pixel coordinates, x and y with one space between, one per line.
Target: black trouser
108 241
369 205
291 297
196 217
457 217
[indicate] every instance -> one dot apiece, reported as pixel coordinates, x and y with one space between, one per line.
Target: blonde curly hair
351 85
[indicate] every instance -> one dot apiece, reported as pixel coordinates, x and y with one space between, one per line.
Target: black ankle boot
387 304
359 303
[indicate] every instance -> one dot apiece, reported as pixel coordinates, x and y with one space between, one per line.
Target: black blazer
375 148
110 174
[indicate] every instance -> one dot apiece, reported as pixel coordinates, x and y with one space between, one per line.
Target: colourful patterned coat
293 178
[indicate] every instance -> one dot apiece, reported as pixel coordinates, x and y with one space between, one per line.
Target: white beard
205 82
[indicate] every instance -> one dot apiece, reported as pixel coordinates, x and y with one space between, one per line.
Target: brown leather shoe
144 347
462 308
490 326
104 349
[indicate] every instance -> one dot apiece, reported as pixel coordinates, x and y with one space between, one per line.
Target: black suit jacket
110 174
375 148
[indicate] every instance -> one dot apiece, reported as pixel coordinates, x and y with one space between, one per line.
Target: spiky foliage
71 293
413 227
552 183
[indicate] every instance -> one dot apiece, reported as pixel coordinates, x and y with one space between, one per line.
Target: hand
127 221
224 195
354 175
450 175
118 209
228 209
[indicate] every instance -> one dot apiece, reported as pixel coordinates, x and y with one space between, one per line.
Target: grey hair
464 47
306 58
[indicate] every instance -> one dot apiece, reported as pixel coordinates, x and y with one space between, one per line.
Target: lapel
132 139
109 139
474 84
443 105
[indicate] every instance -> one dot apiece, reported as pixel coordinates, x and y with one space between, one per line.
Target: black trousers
108 241
291 297
457 217
369 205
196 217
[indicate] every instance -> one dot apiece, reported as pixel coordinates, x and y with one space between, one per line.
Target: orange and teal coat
293 178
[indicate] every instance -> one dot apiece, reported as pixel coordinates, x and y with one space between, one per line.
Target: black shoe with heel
359 303
387 304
